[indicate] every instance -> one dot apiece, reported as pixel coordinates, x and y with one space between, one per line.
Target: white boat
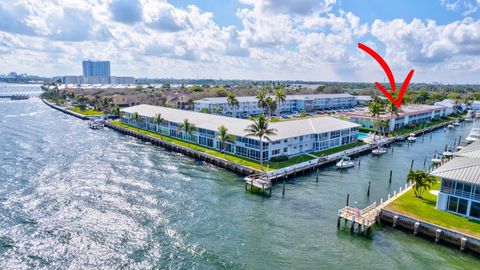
456 123
450 126
473 136
448 153
411 138
469 119
379 151
460 147
437 159
345 162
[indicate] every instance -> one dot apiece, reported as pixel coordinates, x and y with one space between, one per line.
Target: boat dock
365 218
16 97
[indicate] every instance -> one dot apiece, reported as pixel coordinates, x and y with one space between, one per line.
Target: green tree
261 100
376 108
205 110
280 98
116 111
422 182
187 128
233 103
260 129
223 137
157 120
136 118
271 105
104 104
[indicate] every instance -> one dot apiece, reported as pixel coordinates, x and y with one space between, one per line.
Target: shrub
279 158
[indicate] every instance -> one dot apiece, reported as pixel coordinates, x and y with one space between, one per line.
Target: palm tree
261 97
105 104
116 111
375 107
271 105
223 137
259 128
280 98
422 182
232 101
157 120
136 117
187 127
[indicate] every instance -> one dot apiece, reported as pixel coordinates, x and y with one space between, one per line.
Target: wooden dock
365 218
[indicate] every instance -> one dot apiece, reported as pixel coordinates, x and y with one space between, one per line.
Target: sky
313 40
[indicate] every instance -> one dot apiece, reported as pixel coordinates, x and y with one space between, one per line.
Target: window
475 210
462 206
275 152
285 149
452 204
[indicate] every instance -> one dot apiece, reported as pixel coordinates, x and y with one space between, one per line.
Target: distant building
475 105
407 115
293 103
293 137
72 80
96 68
460 183
125 101
451 105
122 80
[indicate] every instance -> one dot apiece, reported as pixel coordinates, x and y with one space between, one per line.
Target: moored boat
345 162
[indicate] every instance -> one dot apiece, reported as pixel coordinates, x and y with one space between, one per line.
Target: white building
475 105
293 137
451 105
460 183
294 103
408 115
122 80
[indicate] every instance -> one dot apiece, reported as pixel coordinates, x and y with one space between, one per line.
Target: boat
450 126
469 119
456 123
437 159
411 138
345 162
460 147
473 136
447 153
379 151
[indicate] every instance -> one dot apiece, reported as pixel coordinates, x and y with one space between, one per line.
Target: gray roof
288 97
460 168
285 129
471 150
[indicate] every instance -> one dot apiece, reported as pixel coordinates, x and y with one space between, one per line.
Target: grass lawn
237 159
89 112
407 130
424 209
338 149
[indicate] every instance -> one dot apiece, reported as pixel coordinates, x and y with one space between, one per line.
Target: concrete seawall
83 117
437 233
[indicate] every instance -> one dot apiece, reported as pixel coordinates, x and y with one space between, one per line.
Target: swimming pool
361 135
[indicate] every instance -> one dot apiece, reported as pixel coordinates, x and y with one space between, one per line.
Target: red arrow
391 79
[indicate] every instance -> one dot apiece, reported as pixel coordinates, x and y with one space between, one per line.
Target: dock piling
348 198
283 191
368 191
390 179
411 165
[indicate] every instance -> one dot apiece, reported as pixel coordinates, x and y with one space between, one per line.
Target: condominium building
452 106
292 137
294 103
460 183
408 115
96 68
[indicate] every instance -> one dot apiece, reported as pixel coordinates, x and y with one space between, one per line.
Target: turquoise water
361 135
72 197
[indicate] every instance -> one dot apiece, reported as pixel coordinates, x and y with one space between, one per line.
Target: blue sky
244 39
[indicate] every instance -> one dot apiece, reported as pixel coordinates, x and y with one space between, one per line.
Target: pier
16 97
365 218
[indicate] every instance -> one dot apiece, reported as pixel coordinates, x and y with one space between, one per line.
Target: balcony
460 193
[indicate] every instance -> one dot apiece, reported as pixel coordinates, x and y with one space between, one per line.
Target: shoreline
287 172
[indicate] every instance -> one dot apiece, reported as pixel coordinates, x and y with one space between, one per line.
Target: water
71 197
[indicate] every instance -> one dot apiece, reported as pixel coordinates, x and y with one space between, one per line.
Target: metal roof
215 100
460 168
471 150
236 126
405 110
